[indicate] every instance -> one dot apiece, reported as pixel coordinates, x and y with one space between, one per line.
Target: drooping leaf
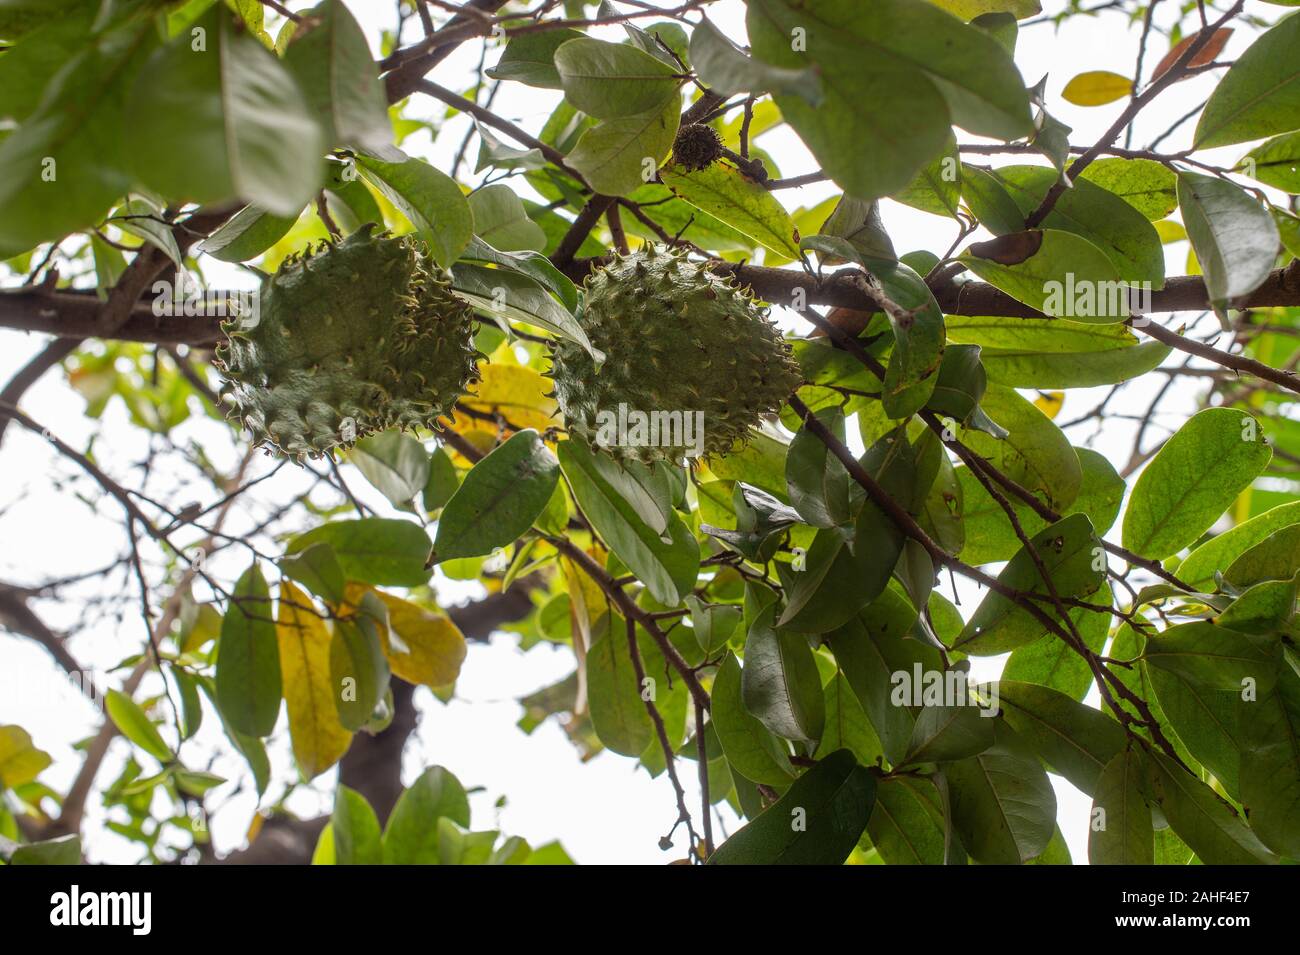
248 658
780 684
319 740
1120 832
1234 237
430 200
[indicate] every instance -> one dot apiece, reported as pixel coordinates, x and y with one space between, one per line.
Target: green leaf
248 658
331 60
907 824
359 669
870 649
1262 608
530 58
1270 769
1077 741
841 577
517 297
318 569
1234 237
1021 369
667 564
817 822
910 377
613 80
499 499
1059 273
713 625
1204 820
1052 663
133 723
411 836
1276 162
1069 551
751 750
1148 186
373 550
1259 96
500 220
1207 679
818 483
1035 452
732 197
1091 212
429 198
397 465
232 116
875 129
970 9
727 71
249 233
442 482
937 187
1276 558
1120 832
1003 806
1193 479
780 684
1219 552
619 156
847 724
356 830
63 850
949 732
615 695
535 266
67 163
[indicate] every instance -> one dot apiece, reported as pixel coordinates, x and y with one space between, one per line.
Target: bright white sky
603 811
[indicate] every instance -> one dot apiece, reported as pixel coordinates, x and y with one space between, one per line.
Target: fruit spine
677 338
351 338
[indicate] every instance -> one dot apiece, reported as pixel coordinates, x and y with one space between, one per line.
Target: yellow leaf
20 760
434 646
1049 402
1097 88
319 739
1170 231
514 396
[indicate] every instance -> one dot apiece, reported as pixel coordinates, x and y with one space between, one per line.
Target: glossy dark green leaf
780 684
499 499
248 658
817 822
944 733
1076 740
249 233
907 824
818 482
1003 806
618 710
751 749
359 670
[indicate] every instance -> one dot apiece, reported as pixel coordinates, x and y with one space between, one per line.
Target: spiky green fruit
350 338
679 341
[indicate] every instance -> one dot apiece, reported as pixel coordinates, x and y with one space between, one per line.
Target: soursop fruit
349 338
680 342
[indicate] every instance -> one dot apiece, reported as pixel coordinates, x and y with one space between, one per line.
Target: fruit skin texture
676 338
352 338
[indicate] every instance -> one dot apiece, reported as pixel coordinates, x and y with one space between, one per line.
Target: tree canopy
831 539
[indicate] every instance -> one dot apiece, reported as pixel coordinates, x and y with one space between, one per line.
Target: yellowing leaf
20 760
1097 88
1170 231
1049 402
429 648
513 394
319 739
